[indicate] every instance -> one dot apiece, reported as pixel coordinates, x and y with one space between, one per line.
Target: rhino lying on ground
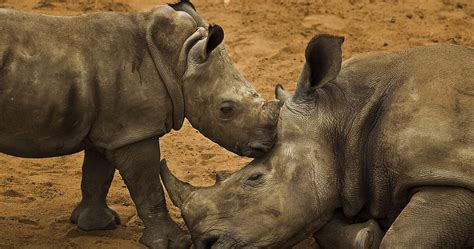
386 136
111 84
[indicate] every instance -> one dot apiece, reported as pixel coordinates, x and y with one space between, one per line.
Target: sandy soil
266 39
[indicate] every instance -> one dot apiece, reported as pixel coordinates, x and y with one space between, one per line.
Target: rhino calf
385 135
112 84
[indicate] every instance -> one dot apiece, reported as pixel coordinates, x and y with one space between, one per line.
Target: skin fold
112 84
384 138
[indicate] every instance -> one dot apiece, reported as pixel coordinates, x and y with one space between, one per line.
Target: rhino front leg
340 233
92 213
435 217
138 164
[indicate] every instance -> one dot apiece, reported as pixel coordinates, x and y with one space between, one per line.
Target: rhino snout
265 136
257 148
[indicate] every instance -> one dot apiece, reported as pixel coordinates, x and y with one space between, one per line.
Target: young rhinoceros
386 136
112 84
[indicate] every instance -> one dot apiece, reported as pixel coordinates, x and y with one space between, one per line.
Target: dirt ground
266 40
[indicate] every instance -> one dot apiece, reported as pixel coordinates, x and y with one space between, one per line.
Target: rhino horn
281 94
178 190
222 175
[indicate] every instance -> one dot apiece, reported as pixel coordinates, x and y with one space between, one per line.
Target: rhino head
211 93
283 197
222 104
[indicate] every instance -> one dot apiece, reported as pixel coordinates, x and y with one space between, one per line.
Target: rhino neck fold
363 172
171 82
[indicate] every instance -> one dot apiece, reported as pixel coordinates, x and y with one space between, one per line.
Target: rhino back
62 79
411 124
426 133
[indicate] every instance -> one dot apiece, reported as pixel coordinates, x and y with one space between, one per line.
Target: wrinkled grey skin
112 84
386 136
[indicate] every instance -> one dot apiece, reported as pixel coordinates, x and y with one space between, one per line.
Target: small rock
420 14
12 193
460 5
453 41
393 19
43 4
385 44
28 221
409 15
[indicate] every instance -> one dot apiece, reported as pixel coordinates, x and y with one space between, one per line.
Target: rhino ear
214 39
281 94
323 63
203 48
189 8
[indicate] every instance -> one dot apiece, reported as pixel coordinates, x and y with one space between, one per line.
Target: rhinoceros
384 135
111 84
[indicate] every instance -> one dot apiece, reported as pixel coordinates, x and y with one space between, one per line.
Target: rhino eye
254 180
226 110
255 177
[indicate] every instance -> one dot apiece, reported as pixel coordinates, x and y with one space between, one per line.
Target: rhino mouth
216 241
256 149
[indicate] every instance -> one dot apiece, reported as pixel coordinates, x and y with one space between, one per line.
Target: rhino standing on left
385 135
111 84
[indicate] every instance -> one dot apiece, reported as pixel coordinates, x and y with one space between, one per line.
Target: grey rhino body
70 82
112 84
386 136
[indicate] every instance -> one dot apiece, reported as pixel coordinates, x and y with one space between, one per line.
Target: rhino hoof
369 237
180 242
364 239
166 235
89 219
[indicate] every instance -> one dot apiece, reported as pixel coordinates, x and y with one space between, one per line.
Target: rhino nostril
256 148
216 240
261 146
209 242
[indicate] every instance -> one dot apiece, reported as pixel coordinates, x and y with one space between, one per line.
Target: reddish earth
266 39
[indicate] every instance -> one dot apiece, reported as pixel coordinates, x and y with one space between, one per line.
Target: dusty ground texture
266 39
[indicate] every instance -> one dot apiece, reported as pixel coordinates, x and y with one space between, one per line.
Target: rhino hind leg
92 213
435 217
341 233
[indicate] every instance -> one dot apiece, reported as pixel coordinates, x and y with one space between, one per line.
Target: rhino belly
41 126
44 105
